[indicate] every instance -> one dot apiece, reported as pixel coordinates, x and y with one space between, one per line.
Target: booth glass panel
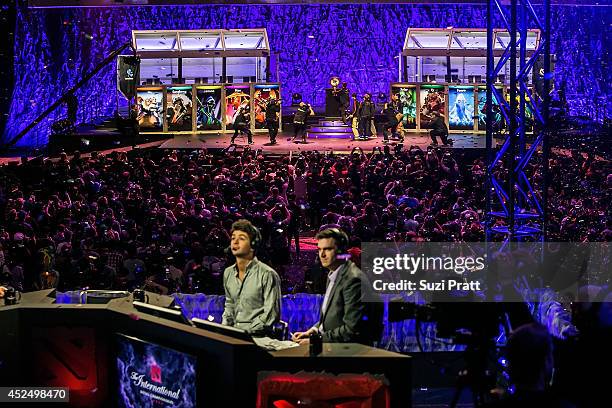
469 40
201 41
433 69
241 69
253 40
158 71
202 70
156 41
428 39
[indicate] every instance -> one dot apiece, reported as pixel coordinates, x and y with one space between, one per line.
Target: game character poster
261 97
149 109
407 97
482 112
461 108
179 109
152 376
528 111
432 99
235 98
208 99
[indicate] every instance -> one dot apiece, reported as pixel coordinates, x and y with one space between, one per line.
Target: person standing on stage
393 112
272 110
242 123
300 121
252 288
439 128
344 317
344 101
366 116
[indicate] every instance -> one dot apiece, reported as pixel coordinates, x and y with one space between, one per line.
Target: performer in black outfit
242 123
342 95
393 112
366 115
439 128
300 121
272 110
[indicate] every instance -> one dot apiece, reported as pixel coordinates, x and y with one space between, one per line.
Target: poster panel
149 109
236 96
407 97
482 112
208 113
179 108
261 97
461 108
432 98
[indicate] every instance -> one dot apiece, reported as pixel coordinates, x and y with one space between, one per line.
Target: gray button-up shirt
254 303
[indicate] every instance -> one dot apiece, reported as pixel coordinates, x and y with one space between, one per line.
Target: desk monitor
222 329
175 315
149 375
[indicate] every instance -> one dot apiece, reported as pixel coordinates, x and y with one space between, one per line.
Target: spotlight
382 97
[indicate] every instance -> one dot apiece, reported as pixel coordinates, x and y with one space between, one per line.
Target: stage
283 146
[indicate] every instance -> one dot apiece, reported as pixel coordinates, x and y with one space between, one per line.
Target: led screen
152 376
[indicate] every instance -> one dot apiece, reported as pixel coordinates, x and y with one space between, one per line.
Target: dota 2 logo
155 374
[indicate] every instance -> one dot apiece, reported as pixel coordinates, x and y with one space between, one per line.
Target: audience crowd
160 219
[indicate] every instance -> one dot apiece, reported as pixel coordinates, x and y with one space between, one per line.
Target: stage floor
261 140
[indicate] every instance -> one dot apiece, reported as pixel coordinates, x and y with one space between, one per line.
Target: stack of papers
269 343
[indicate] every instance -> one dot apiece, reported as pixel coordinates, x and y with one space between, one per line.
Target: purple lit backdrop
357 42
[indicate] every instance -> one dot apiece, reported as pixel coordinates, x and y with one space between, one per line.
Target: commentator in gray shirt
252 288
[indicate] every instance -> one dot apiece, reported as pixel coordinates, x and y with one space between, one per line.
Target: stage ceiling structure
126 3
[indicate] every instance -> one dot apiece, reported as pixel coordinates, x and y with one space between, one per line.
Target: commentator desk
47 344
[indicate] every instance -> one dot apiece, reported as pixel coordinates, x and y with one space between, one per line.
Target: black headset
256 241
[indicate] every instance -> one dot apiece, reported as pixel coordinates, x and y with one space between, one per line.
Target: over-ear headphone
256 241
341 239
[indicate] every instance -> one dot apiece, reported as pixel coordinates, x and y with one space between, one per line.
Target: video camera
462 320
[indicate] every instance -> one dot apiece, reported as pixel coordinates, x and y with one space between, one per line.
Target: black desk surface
233 363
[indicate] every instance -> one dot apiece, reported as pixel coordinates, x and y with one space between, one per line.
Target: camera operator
366 116
242 124
439 128
300 120
272 110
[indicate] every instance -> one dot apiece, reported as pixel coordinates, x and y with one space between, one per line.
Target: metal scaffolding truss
512 193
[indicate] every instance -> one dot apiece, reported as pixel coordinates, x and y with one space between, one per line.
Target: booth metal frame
204 43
